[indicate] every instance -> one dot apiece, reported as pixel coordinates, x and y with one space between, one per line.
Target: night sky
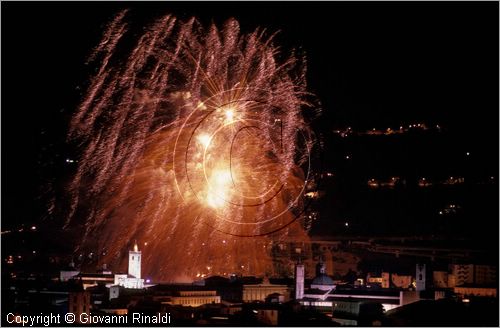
370 65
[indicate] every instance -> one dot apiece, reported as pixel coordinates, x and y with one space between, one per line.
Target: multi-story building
440 279
485 274
477 275
193 298
261 291
79 303
461 274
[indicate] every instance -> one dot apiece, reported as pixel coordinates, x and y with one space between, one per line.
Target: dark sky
370 65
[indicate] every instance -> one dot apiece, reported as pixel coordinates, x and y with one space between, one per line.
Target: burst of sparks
192 141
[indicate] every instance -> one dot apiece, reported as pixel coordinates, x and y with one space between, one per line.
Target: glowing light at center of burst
229 115
204 139
218 188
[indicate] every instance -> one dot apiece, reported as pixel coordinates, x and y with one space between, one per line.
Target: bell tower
420 277
134 262
299 281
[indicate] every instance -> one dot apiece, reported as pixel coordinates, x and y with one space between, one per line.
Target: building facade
133 278
260 292
194 298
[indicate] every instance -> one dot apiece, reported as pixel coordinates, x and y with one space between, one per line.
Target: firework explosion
194 145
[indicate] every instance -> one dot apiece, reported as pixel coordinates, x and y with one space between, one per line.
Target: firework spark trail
192 139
